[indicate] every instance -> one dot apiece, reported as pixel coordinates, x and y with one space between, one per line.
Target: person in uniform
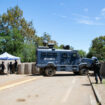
2 67
96 68
15 64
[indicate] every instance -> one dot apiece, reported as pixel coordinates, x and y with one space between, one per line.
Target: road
61 89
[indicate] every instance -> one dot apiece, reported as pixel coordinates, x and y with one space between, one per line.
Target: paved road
10 77
62 89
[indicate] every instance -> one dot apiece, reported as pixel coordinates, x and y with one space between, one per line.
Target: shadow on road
56 75
62 75
33 75
86 84
3 74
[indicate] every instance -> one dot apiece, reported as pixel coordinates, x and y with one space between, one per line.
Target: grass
103 81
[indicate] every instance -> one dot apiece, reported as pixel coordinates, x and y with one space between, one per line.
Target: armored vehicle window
51 55
86 60
64 55
55 55
43 55
69 55
74 55
64 58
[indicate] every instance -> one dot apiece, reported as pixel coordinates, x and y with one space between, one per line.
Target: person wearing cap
96 68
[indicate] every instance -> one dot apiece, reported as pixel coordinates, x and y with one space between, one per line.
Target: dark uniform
96 68
15 64
2 67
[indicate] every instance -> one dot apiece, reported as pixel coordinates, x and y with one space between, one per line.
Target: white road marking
66 96
17 83
92 100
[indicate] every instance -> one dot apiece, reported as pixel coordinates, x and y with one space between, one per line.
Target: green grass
103 81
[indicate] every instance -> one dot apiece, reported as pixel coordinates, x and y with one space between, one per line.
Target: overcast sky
73 22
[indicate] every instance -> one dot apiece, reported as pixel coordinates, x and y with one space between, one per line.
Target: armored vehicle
50 60
89 62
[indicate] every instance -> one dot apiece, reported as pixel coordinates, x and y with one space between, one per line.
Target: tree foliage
11 42
28 52
14 19
82 53
98 48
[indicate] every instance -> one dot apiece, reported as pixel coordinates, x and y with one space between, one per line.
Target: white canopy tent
6 56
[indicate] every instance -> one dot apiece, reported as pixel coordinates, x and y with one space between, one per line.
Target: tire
49 71
87 72
83 71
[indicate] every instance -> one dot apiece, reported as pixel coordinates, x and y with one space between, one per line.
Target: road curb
95 92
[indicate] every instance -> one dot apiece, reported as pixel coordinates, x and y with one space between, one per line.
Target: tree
11 42
28 52
46 37
14 19
98 48
61 46
82 53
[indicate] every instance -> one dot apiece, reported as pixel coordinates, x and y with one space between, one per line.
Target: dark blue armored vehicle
50 60
89 62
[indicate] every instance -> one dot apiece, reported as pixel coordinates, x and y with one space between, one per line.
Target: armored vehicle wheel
49 71
83 71
86 72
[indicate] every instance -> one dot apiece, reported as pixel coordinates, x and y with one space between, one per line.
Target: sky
69 22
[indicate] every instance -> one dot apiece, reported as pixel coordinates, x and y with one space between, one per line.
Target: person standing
2 67
15 64
96 68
